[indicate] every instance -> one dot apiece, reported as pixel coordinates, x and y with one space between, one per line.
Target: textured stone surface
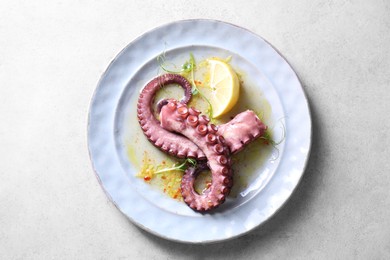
52 54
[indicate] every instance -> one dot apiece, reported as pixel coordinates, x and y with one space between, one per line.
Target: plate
110 121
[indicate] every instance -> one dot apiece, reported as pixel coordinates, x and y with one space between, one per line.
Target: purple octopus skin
171 143
177 117
241 130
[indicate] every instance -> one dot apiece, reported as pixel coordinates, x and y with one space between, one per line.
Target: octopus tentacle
171 143
176 117
241 130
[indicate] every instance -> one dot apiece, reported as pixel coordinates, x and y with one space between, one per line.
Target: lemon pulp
225 87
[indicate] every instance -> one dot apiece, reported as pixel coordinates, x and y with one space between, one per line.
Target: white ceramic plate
109 122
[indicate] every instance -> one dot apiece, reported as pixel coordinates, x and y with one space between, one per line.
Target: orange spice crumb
198 83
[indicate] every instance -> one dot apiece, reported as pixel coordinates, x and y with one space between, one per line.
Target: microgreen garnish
187 67
267 137
228 59
181 167
195 90
162 62
260 115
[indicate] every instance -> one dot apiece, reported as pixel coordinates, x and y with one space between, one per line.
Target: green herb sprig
195 90
181 167
267 138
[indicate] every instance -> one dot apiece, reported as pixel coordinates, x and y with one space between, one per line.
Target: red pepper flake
197 82
147 178
177 194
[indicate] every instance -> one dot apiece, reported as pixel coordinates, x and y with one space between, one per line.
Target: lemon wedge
225 87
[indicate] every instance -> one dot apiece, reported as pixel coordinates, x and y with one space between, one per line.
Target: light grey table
52 54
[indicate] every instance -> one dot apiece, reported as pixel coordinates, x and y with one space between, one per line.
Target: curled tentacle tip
160 104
